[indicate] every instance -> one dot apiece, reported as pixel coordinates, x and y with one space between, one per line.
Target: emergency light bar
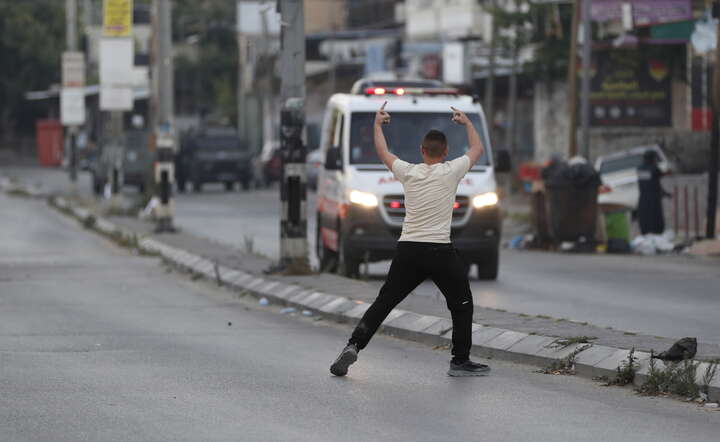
410 91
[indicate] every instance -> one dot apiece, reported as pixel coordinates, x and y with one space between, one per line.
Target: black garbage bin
571 202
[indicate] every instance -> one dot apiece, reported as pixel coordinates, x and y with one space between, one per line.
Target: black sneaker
468 368
347 356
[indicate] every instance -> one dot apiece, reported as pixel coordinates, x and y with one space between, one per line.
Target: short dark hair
434 143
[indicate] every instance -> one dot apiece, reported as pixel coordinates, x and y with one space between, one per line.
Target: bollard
164 178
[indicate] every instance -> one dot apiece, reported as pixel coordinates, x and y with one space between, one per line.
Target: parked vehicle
271 162
618 172
213 155
132 153
360 205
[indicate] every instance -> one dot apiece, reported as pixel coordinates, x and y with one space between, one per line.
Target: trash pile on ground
652 244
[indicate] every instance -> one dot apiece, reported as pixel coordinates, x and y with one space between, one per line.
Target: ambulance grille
394 207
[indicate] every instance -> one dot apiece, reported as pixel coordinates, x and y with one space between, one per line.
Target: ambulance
360 205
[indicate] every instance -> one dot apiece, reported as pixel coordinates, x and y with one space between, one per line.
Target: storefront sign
631 88
645 12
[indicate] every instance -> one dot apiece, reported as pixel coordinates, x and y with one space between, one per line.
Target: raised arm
476 145
381 147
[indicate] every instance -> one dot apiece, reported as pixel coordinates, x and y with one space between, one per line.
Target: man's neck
431 161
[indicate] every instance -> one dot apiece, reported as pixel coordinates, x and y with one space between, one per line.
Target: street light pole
586 59
490 80
572 82
165 129
293 188
71 41
714 140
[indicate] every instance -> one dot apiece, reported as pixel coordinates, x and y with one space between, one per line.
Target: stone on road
98 344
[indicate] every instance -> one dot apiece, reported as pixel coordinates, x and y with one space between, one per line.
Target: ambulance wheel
327 259
488 265
349 264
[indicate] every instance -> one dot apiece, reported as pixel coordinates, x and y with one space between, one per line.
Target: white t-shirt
429 197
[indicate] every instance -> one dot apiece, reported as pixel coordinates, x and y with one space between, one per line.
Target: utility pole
293 187
512 108
165 125
586 58
71 37
714 139
490 81
572 82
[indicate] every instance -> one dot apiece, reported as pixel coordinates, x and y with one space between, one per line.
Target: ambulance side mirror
333 159
503 163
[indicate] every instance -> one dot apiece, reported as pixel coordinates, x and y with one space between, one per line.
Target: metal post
293 191
586 56
490 81
71 41
714 143
117 149
165 129
512 129
572 82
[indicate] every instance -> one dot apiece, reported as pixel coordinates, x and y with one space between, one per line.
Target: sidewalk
497 334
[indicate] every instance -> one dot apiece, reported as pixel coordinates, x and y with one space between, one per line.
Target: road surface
664 296
98 344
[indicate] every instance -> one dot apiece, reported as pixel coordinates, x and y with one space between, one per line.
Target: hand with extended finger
459 117
382 117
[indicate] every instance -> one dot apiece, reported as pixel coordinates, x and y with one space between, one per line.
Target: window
404 135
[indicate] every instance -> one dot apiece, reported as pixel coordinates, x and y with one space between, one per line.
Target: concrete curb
490 342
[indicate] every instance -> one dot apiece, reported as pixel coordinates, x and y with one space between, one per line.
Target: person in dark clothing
424 249
650 210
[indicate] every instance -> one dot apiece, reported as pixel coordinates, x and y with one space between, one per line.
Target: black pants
414 262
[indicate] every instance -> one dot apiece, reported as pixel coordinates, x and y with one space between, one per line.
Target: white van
360 205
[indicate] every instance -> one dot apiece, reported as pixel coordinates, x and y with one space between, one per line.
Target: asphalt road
663 296
97 344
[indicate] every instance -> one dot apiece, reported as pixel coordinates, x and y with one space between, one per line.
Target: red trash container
49 139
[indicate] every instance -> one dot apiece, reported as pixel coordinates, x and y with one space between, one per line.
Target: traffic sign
117 18
72 106
73 69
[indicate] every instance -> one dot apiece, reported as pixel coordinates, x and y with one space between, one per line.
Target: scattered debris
561 343
564 366
714 405
653 244
264 301
307 313
442 347
288 310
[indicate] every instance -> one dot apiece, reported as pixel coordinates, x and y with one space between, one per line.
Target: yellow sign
117 18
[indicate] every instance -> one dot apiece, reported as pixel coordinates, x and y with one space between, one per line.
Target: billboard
631 87
645 12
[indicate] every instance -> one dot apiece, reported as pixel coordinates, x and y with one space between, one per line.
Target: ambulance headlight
363 198
485 200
